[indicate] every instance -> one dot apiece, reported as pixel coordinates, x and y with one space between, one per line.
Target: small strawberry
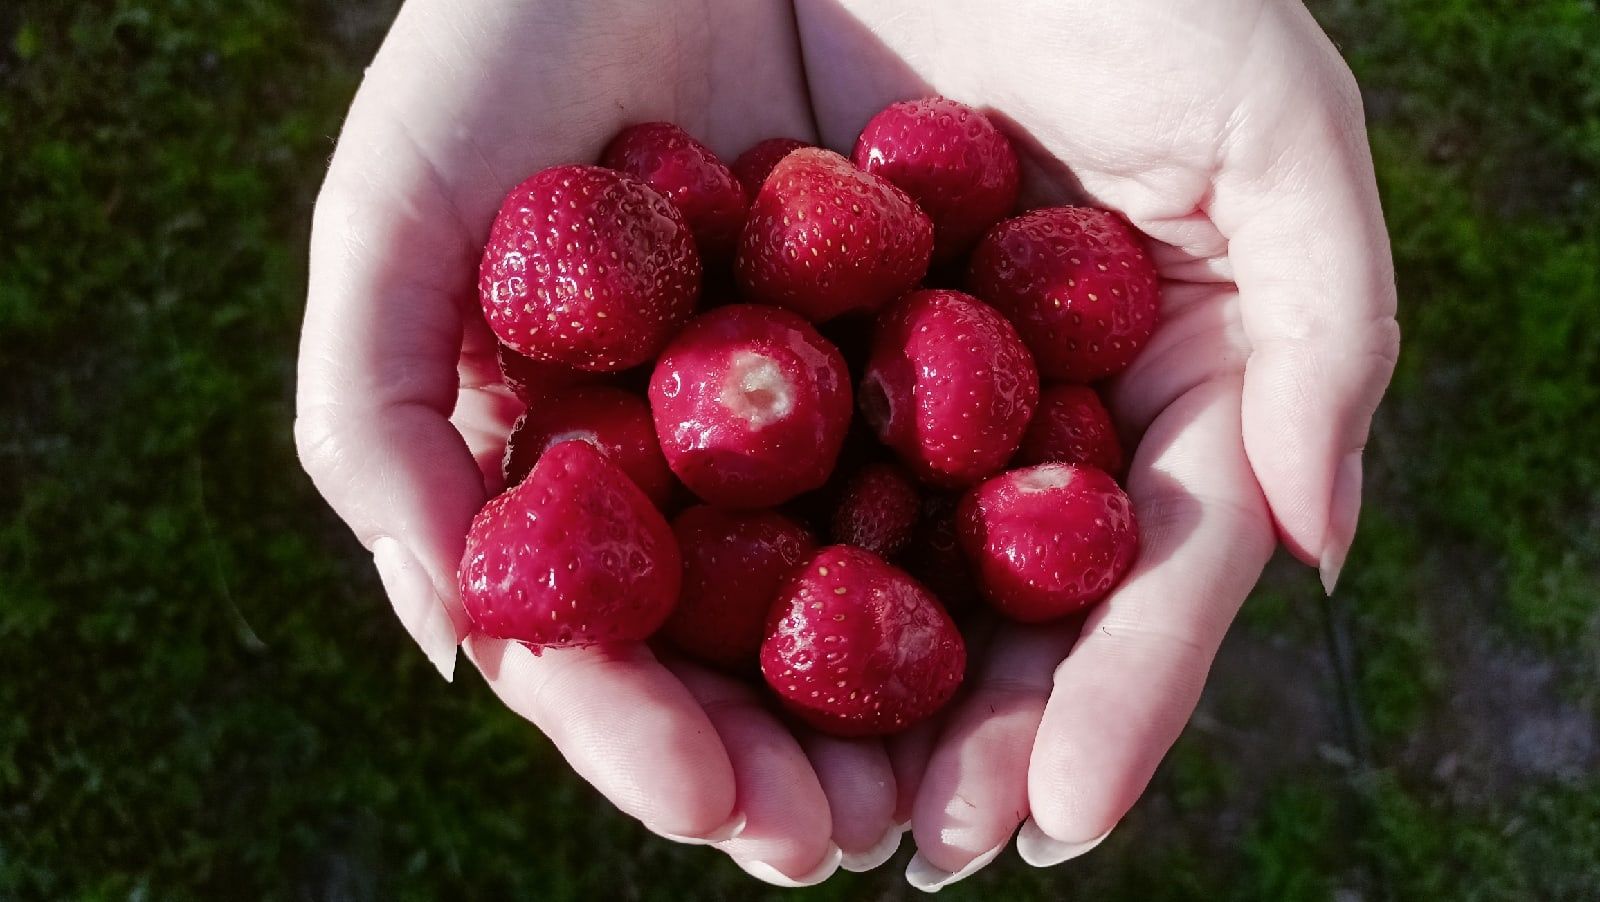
1077 283
574 555
855 647
531 379
825 238
617 423
588 268
878 511
953 162
734 563
751 406
1048 540
949 386
1071 426
686 172
755 164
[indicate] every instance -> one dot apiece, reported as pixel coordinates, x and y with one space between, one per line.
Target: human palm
1228 131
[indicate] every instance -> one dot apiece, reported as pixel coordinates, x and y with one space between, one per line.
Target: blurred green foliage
202 693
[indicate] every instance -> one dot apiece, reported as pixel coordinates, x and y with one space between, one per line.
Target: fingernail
769 874
881 851
727 831
1041 851
1343 511
928 877
418 606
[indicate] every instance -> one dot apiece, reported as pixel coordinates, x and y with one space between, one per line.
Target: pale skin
1229 131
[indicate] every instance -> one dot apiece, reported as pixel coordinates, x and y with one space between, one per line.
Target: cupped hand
1228 131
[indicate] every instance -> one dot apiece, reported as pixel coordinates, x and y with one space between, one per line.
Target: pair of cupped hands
1229 131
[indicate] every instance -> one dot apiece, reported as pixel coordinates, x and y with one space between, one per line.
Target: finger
858 780
1123 695
975 790
627 726
908 756
786 840
1298 202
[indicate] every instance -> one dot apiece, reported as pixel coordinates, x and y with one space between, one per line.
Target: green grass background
203 694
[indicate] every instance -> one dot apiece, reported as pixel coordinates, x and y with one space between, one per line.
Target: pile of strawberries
677 326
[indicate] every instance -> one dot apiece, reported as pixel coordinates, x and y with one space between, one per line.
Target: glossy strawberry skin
574 555
755 164
688 174
1071 426
588 268
751 406
1079 285
855 647
949 386
953 162
617 423
531 379
824 238
734 563
1048 540
878 510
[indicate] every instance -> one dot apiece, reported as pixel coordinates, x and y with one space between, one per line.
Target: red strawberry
953 162
589 268
575 555
1048 540
734 563
878 512
1078 284
687 173
949 386
856 647
531 379
755 164
935 558
825 238
1071 426
615 422
751 406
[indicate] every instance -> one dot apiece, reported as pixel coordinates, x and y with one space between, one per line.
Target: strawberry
531 379
1048 540
934 555
953 162
751 406
688 174
574 555
949 386
734 563
617 423
825 238
588 268
754 165
878 511
855 647
1071 426
1077 283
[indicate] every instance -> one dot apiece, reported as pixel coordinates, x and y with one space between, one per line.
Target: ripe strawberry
1078 284
575 555
878 511
617 423
953 162
1071 426
751 406
686 172
734 563
825 238
755 164
935 559
1048 540
949 386
531 379
589 268
856 647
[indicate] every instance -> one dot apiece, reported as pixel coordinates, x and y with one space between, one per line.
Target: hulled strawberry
824 238
617 423
1071 426
855 647
1077 283
574 555
1048 540
949 386
688 174
953 162
754 165
734 563
589 268
878 510
751 406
